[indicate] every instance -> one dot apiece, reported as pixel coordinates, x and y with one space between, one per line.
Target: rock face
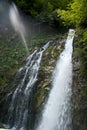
79 99
44 78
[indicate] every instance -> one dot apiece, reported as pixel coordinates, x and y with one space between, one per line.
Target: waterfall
57 111
20 108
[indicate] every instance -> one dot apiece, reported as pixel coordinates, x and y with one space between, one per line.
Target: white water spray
17 24
57 111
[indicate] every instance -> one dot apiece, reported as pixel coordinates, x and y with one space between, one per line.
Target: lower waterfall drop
57 112
19 112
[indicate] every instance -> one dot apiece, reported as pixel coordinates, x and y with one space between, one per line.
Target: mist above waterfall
17 23
16 26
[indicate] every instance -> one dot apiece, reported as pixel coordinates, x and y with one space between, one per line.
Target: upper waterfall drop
57 112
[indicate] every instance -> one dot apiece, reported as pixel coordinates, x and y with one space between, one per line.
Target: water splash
17 23
57 112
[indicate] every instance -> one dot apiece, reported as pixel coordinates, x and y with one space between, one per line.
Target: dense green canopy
45 10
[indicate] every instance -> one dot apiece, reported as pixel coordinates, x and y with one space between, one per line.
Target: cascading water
20 108
57 112
17 24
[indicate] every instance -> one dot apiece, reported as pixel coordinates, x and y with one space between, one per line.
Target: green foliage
75 14
11 57
44 10
62 4
84 35
83 52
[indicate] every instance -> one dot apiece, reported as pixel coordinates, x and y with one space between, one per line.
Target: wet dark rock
79 99
1 125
